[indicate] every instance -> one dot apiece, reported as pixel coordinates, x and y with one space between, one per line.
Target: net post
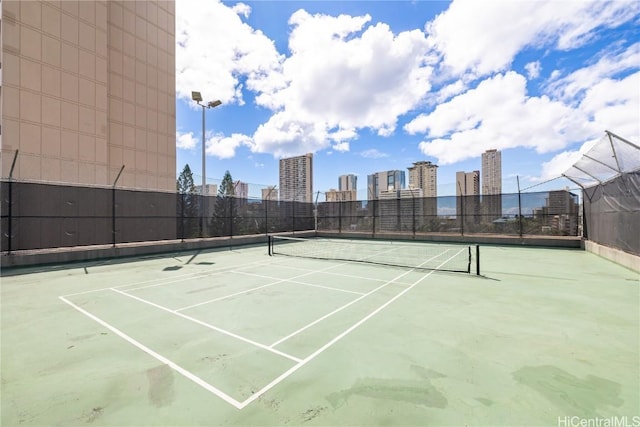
469 260
269 243
477 260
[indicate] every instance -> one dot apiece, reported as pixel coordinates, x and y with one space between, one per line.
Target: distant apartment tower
560 213
296 178
241 190
348 182
401 210
468 198
468 183
491 172
384 181
340 195
270 193
87 87
209 189
424 175
491 185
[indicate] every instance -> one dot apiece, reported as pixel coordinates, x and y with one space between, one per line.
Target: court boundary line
301 283
182 371
339 309
255 288
299 362
319 351
175 279
207 325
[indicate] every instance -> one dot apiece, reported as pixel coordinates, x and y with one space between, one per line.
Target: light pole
196 96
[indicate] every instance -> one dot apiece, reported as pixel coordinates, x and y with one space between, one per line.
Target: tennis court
238 337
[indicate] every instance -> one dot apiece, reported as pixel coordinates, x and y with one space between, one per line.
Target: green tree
185 184
227 188
189 209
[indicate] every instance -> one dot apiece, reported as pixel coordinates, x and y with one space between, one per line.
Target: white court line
215 328
351 276
339 309
256 288
159 357
339 337
172 279
198 275
299 283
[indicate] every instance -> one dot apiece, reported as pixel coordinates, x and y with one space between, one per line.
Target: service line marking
256 288
207 325
199 381
339 309
299 282
339 337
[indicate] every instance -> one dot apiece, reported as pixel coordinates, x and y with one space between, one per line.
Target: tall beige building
296 178
491 172
492 184
87 87
424 175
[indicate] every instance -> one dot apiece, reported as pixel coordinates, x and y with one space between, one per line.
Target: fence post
113 208
10 201
181 217
373 229
519 208
232 201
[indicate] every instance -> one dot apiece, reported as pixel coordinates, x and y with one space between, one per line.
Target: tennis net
417 255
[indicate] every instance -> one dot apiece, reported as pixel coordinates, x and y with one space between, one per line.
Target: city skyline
373 86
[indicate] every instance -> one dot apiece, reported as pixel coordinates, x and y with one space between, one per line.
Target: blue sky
369 86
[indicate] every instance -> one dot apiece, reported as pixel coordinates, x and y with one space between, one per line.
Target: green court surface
236 337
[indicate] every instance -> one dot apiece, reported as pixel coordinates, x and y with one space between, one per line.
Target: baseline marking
339 309
199 381
173 279
300 283
253 289
207 325
339 337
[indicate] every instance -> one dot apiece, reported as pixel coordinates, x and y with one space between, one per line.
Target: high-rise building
491 185
209 189
424 175
491 172
334 195
296 178
468 183
384 181
87 87
241 190
270 193
468 198
348 182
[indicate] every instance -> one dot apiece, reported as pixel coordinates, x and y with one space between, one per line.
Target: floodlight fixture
196 96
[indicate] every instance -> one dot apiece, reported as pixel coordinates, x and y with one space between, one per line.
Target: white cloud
214 48
242 9
372 153
341 147
342 74
224 147
533 70
484 37
573 86
186 141
563 161
498 114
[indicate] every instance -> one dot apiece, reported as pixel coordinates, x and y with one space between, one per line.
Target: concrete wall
619 257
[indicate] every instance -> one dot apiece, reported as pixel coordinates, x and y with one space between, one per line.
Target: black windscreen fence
38 215
612 213
542 213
